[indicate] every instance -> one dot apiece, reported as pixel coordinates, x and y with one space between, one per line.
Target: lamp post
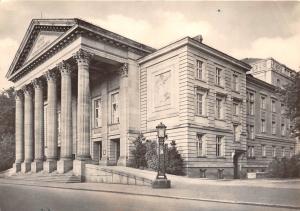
161 180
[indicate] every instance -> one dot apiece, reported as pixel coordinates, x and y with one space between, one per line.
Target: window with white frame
97 112
263 102
201 145
218 76
273 151
250 152
235 82
115 108
263 150
273 105
282 129
200 102
219 146
273 127
219 111
263 126
199 70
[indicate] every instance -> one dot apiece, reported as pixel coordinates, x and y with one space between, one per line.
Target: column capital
19 95
83 56
27 89
51 75
64 68
37 83
124 70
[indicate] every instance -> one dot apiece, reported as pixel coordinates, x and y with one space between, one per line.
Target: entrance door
236 169
118 149
115 151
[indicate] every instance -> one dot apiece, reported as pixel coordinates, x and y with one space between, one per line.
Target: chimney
199 38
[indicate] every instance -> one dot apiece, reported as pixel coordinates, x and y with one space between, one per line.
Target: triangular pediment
40 34
43 39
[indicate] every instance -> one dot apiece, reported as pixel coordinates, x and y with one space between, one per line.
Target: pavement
260 192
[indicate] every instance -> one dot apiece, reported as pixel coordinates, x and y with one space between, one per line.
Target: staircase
68 177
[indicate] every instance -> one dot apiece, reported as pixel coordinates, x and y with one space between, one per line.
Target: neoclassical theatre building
83 94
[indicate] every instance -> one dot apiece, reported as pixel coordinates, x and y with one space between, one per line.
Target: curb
163 196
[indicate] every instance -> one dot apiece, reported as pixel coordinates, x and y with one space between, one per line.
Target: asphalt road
30 198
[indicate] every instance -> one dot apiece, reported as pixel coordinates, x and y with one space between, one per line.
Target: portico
61 71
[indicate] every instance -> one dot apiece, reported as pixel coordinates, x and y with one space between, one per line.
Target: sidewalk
280 193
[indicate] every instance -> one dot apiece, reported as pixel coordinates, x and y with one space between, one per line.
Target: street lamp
161 180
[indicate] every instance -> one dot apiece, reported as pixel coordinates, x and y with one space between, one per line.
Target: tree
174 161
7 128
291 95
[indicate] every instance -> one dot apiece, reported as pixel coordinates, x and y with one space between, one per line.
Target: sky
240 29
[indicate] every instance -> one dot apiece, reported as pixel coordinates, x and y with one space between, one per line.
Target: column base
79 168
16 168
50 166
104 162
64 166
37 166
25 167
161 183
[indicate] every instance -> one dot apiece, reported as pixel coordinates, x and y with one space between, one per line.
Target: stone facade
84 94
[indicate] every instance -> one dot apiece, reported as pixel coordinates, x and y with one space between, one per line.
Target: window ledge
199 115
202 80
221 157
223 120
251 158
111 124
235 91
220 86
264 156
203 156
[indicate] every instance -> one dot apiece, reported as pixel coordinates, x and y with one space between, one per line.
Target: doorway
236 167
115 150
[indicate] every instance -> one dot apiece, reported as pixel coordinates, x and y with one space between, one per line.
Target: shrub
145 155
138 152
285 168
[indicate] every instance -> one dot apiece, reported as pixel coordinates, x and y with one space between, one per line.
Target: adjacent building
83 94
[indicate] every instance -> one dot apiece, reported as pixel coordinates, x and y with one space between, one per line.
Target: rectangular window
235 82
282 129
251 103
273 105
199 70
219 108
263 150
282 108
236 133
250 152
273 127
291 152
219 146
263 126
251 132
218 76
283 152
97 113
199 103
201 147
115 108
263 102
273 151
235 109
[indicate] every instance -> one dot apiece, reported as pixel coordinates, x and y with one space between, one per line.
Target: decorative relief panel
163 84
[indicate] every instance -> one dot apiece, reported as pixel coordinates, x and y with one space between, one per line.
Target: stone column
19 131
52 130
123 114
37 165
28 129
65 163
83 111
